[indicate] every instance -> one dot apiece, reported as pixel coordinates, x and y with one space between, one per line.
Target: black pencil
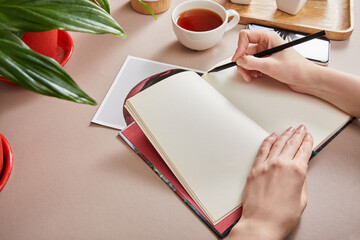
274 50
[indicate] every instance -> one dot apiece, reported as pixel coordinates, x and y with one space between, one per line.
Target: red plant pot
44 43
7 160
56 44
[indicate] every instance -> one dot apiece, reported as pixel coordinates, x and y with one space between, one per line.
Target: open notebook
208 129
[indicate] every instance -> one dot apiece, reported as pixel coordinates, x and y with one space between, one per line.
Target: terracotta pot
157 6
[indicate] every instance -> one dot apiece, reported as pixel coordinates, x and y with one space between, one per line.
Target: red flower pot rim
66 43
8 162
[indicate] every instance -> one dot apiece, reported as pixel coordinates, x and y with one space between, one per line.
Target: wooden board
334 16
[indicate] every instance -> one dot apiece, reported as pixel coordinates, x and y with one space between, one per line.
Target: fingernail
301 128
254 74
291 129
308 136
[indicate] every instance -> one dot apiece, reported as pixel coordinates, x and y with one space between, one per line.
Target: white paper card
134 70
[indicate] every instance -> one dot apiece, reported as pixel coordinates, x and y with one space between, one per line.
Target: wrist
248 229
311 79
318 81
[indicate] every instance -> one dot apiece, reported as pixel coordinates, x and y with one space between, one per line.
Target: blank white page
275 107
207 142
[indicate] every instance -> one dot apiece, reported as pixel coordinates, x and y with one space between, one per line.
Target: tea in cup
200 24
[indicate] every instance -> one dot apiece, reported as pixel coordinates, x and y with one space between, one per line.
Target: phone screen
315 50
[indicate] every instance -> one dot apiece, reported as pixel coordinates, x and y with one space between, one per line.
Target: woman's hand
286 66
275 191
300 74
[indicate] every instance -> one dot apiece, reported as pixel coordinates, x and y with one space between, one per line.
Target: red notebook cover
137 140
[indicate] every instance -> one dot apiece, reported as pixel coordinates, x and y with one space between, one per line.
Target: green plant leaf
68 15
104 4
147 8
35 72
18 34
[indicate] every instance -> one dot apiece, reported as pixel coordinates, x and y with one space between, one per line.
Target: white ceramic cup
206 39
290 6
244 2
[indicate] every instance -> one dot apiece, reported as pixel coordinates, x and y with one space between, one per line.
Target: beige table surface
76 180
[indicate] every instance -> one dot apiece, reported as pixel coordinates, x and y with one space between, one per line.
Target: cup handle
234 21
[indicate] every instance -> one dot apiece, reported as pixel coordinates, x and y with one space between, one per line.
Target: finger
249 62
243 44
244 73
246 37
255 48
265 149
248 75
280 143
292 145
265 39
303 153
252 49
255 73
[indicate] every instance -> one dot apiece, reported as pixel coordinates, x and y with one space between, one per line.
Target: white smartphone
316 50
